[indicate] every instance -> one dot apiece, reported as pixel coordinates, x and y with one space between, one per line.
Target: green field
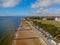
57 24
52 27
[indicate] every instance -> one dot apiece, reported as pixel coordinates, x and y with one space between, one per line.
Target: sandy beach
27 36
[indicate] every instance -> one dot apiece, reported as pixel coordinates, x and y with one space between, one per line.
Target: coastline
16 33
26 35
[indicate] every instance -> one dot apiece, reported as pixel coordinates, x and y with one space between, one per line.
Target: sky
29 7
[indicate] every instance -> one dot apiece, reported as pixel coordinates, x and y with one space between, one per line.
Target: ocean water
8 27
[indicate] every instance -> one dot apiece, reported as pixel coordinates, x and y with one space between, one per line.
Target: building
57 18
44 19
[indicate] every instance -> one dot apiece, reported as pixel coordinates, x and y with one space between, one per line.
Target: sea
8 27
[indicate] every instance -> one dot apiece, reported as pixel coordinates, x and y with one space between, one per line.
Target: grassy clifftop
52 27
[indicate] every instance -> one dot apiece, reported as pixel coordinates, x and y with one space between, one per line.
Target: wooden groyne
26 35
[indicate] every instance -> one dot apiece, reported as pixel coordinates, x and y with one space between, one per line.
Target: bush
50 28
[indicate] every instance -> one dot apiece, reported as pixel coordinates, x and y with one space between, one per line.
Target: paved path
41 36
27 35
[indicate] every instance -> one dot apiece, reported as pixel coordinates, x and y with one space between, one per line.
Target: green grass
57 24
52 27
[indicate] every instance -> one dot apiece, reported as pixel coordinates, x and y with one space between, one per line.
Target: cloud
56 1
48 12
9 3
44 7
44 3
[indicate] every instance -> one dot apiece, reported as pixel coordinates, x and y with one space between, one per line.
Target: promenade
26 35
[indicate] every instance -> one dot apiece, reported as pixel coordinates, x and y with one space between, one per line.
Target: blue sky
29 7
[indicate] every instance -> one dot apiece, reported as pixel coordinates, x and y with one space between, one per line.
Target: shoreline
27 35
16 34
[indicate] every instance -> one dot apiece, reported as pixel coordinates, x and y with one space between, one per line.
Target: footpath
26 35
